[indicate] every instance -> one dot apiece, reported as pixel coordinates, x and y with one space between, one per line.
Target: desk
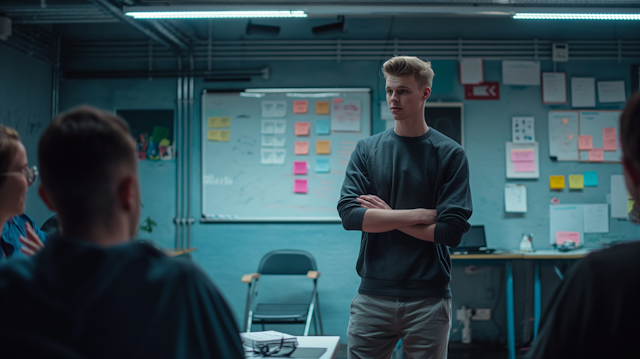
507 257
331 343
538 257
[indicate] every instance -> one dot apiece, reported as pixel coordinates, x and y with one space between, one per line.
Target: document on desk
515 198
596 218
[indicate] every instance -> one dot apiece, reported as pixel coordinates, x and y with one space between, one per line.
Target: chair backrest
287 262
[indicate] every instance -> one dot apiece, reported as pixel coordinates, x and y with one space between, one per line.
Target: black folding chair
283 262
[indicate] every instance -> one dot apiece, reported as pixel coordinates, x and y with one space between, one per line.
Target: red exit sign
483 91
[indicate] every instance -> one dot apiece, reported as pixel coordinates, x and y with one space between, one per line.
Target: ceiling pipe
115 11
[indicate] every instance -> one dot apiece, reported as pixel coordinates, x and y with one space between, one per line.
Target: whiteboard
592 123
563 135
238 187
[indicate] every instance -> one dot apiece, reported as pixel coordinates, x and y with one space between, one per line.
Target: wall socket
482 314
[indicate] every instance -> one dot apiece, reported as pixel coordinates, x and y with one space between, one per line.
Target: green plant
147 225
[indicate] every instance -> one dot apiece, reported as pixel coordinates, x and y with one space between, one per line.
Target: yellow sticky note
323 147
219 135
629 205
215 122
322 108
576 181
556 182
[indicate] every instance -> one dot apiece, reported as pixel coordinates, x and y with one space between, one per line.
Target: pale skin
14 191
406 100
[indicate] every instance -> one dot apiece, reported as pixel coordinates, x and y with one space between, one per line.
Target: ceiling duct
255 29
339 27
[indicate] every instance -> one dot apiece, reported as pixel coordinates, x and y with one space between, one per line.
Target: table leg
511 335
537 300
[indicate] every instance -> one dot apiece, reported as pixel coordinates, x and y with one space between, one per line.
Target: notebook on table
473 242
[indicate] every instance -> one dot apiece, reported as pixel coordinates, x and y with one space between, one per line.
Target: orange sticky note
301 148
596 155
585 142
300 186
301 106
609 140
562 237
556 182
323 147
302 128
322 108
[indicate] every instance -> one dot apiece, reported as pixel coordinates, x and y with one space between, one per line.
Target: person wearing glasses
20 235
94 291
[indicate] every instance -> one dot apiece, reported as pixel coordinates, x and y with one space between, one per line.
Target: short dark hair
9 140
79 153
630 130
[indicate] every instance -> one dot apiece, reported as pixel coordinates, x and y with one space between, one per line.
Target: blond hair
9 140
409 65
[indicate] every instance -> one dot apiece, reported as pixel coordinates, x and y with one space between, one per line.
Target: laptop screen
473 239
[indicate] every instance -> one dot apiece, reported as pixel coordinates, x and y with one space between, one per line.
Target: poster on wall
153 132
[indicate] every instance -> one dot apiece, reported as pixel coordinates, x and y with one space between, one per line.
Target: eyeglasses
279 349
31 174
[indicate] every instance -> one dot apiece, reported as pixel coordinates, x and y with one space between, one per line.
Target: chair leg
315 325
309 318
319 315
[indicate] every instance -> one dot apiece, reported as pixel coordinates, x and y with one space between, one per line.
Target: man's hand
32 243
372 201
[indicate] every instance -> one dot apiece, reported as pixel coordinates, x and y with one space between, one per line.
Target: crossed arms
380 217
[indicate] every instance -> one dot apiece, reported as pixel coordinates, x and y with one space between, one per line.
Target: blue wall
226 251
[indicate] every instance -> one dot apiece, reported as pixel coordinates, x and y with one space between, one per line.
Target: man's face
405 97
14 190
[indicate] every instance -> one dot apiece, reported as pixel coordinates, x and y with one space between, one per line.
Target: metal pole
178 152
190 153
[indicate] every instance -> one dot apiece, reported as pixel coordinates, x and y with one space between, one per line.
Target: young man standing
93 292
593 313
407 190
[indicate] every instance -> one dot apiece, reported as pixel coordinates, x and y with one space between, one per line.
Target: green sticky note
159 134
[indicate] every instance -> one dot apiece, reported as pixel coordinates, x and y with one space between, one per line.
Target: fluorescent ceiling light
214 14
568 16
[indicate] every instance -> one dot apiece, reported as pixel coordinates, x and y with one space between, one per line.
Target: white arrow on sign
486 90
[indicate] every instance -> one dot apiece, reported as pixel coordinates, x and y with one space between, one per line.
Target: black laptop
473 242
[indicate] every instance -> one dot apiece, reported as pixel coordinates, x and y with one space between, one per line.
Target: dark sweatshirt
74 299
430 171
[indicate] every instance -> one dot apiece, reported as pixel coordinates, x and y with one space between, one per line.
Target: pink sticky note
609 140
562 237
300 106
300 186
301 148
522 155
529 166
585 142
596 155
302 128
337 100
299 167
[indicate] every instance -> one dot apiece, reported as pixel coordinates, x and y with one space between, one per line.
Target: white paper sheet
566 218
563 135
346 115
554 87
522 129
268 126
525 73
619 197
471 72
279 140
596 218
515 198
274 108
583 92
279 156
266 156
611 91
267 140
280 126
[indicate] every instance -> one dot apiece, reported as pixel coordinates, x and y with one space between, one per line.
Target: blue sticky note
323 165
591 179
323 127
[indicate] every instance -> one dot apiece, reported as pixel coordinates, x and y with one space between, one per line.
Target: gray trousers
377 322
